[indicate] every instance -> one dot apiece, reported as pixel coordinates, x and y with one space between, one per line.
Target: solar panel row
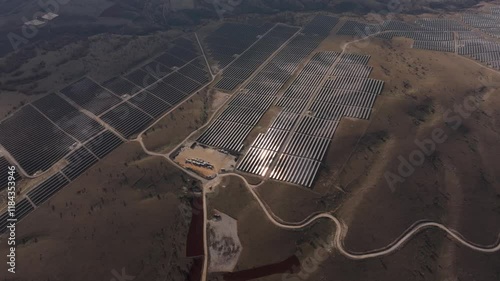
103 144
68 117
23 208
150 103
180 53
440 46
260 92
121 87
359 29
440 24
4 173
297 170
43 143
78 162
436 34
266 147
91 96
419 35
42 121
483 50
47 188
248 62
127 119
400 26
230 40
468 35
156 88
346 94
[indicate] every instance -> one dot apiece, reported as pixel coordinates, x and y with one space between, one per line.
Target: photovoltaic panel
4 171
90 96
47 188
23 208
121 87
127 119
43 144
150 104
103 144
78 162
68 118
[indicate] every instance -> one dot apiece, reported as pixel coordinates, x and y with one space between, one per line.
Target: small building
35 22
49 16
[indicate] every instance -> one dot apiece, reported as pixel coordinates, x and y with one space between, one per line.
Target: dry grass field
456 185
262 242
132 211
171 130
123 213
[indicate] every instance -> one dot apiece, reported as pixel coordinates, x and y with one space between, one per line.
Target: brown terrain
129 211
456 185
124 213
132 210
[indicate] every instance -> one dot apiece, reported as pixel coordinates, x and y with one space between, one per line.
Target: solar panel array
68 118
182 60
54 126
157 87
4 170
90 96
396 25
358 29
441 46
33 140
248 62
231 127
350 94
150 104
437 34
297 140
481 48
441 24
486 22
122 87
428 34
79 161
263 151
103 144
181 52
260 157
346 96
230 40
320 26
419 35
127 119
47 188
23 208
468 35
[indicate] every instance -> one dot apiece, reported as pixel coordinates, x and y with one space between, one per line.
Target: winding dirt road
342 228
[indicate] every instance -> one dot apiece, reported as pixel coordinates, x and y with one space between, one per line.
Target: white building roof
34 22
50 16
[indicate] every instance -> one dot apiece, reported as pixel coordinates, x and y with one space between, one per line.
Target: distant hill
191 11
